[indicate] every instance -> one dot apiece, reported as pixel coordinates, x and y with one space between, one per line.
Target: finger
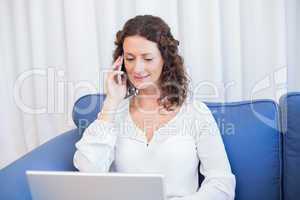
124 78
113 73
119 79
117 63
121 62
118 74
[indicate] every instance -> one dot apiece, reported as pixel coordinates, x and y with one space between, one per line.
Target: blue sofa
260 138
290 112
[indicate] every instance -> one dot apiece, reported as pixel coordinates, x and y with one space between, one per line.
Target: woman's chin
143 85
149 86
140 87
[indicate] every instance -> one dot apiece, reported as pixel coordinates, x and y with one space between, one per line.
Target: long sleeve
95 150
219 182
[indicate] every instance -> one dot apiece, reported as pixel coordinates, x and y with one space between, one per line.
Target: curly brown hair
174 79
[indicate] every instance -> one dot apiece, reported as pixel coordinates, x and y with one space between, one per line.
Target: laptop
55 185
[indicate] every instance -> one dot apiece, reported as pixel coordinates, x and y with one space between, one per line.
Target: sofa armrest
55 155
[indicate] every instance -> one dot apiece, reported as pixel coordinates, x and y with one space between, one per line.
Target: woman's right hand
116 91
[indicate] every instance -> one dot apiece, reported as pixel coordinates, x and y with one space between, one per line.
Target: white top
175 151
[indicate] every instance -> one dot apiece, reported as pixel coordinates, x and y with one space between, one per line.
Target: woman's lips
140 77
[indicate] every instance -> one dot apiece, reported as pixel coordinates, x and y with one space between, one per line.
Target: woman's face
143 61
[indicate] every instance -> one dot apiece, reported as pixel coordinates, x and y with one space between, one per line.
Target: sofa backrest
290 112
86 109
250 130
252 138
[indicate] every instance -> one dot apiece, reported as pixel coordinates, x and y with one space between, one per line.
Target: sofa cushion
250 131
290 111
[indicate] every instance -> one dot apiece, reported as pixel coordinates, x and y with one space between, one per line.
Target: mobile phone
131 90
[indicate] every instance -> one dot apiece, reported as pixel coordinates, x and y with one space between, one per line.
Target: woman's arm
95 150
219 182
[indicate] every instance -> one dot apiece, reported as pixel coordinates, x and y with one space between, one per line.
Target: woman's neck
146 100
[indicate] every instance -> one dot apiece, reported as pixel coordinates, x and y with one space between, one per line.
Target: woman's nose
139 66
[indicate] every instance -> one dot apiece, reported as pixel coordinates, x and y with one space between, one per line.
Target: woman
159 129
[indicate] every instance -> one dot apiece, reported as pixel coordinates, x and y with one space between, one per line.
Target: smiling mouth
140 77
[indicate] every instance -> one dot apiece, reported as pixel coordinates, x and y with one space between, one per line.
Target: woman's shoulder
198 118
121 112
197 107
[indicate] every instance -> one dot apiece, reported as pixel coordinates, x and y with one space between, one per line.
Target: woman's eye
148 59
129 59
